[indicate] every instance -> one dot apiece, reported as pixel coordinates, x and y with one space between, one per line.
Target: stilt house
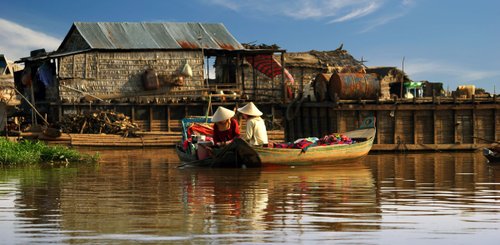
153 72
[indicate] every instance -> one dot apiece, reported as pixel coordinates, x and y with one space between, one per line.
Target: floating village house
312 72
8 96
156 73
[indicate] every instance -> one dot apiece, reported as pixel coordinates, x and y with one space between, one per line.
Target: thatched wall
118 75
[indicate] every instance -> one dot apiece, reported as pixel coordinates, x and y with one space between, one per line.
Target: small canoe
492 155
362 138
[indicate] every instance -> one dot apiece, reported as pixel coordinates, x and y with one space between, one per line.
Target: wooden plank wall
426 127
385 122
445 127
423 127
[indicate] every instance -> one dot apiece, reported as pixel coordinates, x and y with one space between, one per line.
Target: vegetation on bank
32 152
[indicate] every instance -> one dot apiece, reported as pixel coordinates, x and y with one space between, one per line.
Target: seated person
256 133
226 128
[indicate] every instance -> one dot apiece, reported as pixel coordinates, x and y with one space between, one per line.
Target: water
141 197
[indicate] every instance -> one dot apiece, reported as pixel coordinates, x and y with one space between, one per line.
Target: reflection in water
140 196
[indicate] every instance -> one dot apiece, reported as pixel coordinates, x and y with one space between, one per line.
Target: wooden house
8 95
157 73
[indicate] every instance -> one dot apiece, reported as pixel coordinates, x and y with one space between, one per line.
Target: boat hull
330 153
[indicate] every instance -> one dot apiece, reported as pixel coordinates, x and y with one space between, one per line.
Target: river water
142 197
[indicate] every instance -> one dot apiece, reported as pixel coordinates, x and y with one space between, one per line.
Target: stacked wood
98 122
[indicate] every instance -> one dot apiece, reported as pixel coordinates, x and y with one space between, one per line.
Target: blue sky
449 41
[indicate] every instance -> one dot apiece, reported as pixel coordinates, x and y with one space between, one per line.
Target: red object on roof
268 65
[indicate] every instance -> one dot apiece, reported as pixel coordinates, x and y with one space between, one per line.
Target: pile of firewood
98 122
260 46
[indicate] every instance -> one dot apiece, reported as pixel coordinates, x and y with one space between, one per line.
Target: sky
448 41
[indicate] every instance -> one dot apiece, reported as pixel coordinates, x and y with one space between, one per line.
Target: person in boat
226 127
256 132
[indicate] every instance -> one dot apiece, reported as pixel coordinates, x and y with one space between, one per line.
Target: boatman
256 133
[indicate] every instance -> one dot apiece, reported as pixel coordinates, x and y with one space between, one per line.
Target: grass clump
32 152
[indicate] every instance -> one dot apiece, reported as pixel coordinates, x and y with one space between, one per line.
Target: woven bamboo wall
118 74
263 88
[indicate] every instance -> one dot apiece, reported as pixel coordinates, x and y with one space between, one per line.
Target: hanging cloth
268 65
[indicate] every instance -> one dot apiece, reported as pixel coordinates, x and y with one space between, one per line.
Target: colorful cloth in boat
200 129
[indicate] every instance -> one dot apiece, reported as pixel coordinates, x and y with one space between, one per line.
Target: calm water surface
140 196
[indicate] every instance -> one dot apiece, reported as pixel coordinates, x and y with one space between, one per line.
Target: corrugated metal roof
166 35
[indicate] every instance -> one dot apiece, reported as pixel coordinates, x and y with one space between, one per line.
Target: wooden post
59 112
434 124
168 118
455 124
340 125
241 62
283 76
395 133
132 116
415 133
151 118
474 118
495 125
299 129
238 68
377 122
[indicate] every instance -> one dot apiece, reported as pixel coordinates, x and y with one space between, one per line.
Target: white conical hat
222 114
250 109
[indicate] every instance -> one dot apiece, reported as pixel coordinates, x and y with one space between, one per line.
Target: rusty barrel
351 86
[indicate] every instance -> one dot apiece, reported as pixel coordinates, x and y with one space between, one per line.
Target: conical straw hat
222 114
250 109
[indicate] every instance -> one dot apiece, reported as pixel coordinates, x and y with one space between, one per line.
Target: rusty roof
148 35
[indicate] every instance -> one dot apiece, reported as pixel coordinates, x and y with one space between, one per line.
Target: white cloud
357 13
16 41
453 71
342 10
451 74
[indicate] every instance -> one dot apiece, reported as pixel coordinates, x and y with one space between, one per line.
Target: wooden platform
145 139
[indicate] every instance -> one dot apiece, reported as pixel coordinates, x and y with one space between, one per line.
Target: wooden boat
330 153
234 155
362 143
492 155
237 154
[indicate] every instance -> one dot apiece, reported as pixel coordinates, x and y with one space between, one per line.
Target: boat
492 154
361 141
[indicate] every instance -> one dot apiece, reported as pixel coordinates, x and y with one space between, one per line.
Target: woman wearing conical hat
226 128
256 133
